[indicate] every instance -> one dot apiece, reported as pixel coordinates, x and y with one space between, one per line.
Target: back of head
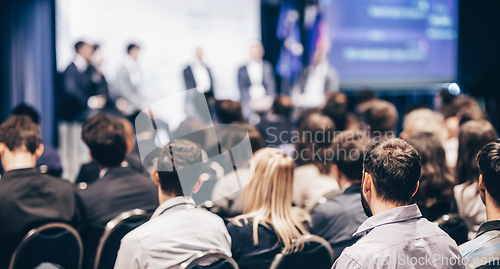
228 111
283 106
382 117
424 120
436 181
79 45
177 169
336 109
19 133
234 134
268 196
489 165
316 134
471 113
349 148
472 137
26 110
394 166
106 138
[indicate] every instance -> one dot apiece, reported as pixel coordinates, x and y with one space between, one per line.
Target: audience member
118 188
484 250
395 229
435 194
473 136
227 194
381 118
89 172
312 179
177 230
228 111
28 198
276 126
49 162
336 109
269 224
365 98
337 219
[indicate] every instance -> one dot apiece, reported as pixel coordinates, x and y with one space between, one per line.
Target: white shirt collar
185 201
80 63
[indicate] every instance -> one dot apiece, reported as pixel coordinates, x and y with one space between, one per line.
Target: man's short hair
106 139
131 47
26 110
394 166
489 165
349 148
336 109
228 111
175 156
78 45
19 132
283 106
382 117
424 120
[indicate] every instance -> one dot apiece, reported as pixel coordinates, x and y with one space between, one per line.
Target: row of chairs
60 245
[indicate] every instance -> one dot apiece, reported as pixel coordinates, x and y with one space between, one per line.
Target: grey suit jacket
127 90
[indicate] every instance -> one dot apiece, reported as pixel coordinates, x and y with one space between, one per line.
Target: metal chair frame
302 240
45 227
110 227
207 255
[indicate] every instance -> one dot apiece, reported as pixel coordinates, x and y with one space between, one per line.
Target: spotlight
454 89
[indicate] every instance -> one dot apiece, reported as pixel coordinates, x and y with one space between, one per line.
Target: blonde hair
267 199
424 120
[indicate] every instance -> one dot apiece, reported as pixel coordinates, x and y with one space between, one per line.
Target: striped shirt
484 250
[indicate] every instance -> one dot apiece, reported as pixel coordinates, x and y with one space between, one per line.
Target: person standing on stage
128 80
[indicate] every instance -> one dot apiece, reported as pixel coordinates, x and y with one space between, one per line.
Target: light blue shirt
177 230
401 238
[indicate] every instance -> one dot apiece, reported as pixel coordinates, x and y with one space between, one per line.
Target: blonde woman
269 223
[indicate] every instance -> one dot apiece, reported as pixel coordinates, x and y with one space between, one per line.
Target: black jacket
29 199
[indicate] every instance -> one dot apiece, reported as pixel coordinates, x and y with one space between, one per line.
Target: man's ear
39 151
156 177
367 183
481 188
197 186
416 189
2 148
403 135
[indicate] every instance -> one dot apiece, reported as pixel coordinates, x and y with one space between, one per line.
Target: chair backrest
55 243
317 253
221 261
455 227
115 230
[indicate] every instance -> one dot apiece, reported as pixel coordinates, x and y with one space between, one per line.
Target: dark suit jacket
29 199
121 189
191 82
78 88
244 83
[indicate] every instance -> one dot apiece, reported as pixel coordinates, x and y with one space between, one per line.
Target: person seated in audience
276 126
312 179
395 229
177 230
28 198
472 137
89 172
227 195
269 223
435 194
228 111
118 188
381 119
49 162
485 248
424 120
337 219
336 109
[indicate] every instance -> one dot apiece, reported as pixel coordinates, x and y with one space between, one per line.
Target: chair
455 227
114 231
317 253
55 243
222 261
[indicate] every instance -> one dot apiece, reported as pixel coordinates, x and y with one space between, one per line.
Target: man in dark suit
197 75
81 82
28 198
256 81
118 188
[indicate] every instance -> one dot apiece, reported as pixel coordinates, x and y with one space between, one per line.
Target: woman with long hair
435 194
472 137
269 223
